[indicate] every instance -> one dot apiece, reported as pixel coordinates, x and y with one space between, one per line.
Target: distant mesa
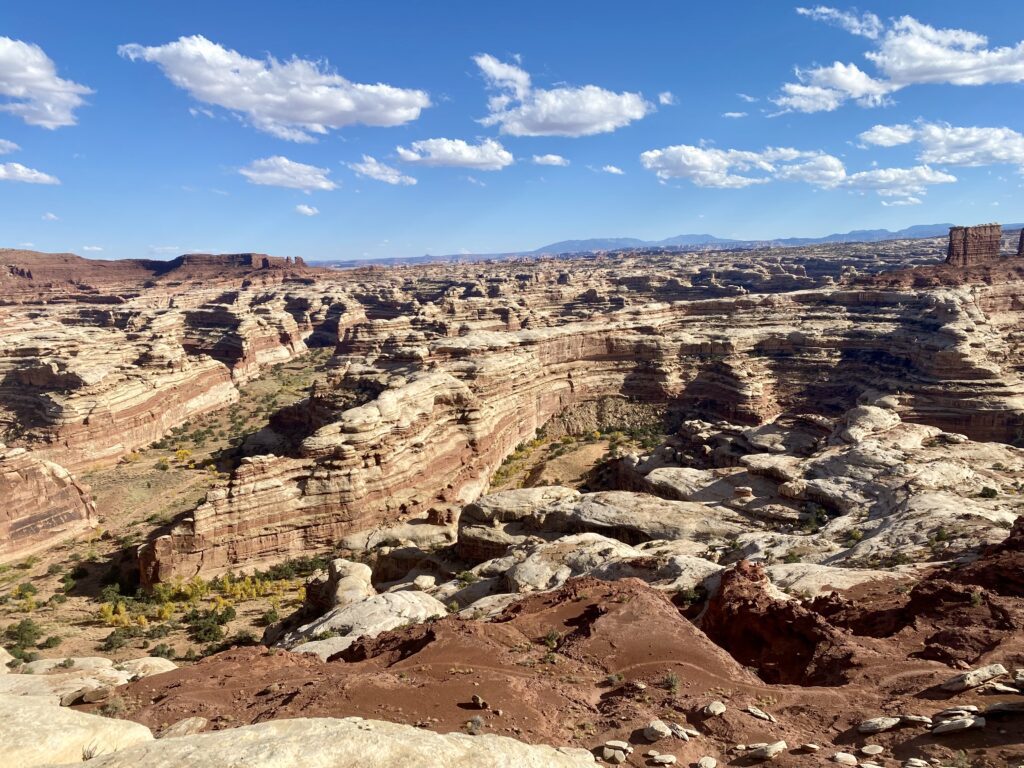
234 261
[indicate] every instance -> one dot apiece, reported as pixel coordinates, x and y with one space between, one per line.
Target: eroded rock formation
973 245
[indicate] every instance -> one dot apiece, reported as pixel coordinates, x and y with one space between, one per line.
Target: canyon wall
415 424
42 504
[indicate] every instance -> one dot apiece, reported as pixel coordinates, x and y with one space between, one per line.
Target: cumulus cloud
34 92
734 115
550 160
19 172
866 25
278 171
50 217
613 169
912 52
712 167
520 109
907 52
295 99
306 210
899 182
488 155
92 248
667 98
372 168
736 169
947 144
6 147
888 135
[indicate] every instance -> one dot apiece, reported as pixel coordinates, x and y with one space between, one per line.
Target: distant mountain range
679 241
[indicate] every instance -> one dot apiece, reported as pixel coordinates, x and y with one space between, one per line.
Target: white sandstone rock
35 732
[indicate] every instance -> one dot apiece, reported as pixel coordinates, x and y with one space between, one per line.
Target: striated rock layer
431 396
42 503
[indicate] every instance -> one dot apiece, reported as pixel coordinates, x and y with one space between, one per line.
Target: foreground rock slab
346 743
33 731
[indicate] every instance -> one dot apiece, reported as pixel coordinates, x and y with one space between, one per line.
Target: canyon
797 468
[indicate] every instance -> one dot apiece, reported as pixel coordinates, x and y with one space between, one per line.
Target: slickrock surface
345 743
37 732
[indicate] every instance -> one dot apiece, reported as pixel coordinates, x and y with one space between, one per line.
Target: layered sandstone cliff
418 419
42 504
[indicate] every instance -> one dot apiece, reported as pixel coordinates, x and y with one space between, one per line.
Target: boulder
367 618
974 678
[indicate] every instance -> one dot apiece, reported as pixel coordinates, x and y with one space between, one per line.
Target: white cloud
824 89
306 210
294 99
374 169
612 169
888 135
667 98
912 52
908 53
28 78
820 170
720 168
164 249
488 155
747 98
26 245
736 169
734 115
475 181
92 248
278 171
899 182
550 160
6 147
902 201
808 98
522 110
849 80
946 144
19 172
50 217
866 25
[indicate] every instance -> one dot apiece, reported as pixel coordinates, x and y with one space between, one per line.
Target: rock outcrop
969 246
42 503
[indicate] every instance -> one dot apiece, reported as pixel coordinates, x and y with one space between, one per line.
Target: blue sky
130 132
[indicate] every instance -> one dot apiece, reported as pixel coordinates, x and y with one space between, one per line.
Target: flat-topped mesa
204 261
973 245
